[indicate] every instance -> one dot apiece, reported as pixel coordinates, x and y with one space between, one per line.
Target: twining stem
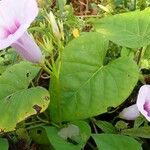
91 146
42 120
35 126
125 3
134 5
47 70
48 64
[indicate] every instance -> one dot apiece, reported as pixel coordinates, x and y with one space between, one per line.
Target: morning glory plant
16 17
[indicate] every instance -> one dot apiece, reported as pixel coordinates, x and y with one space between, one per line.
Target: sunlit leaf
130 29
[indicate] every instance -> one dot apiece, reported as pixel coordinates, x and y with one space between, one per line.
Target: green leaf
39 136
139 121
61 4
20 105
16 101
115 142
130 29
60 143
18 76
106 127
88 87
143 132
147 52
3 144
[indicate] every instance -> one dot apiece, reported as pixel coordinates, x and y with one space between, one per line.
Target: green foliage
16 101
3 144
128 29
85 76
70 144
88 87
39 135
106 127
143 132
115 142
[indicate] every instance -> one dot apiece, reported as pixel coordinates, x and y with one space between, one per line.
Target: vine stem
134 4
35 126
141 54
47 70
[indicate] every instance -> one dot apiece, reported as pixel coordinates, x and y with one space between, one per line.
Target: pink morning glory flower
15 17
143 101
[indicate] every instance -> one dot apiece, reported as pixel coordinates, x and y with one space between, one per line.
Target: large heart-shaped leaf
115 142
87 86
16 101
128 29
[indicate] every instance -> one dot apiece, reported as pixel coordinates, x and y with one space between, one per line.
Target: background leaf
115 142
3 144
87 86
106 127
143 132
130 29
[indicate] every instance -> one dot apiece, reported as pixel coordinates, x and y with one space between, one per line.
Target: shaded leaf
143 132
4 144
106 127
71 144
115 142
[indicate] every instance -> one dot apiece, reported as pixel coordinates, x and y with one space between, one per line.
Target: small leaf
121 125
3 144
130 29
70 144
61 4
39 136
143 132
106 127
115 142
139 121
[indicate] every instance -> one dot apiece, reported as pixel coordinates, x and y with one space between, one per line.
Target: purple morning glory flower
143 101
15 17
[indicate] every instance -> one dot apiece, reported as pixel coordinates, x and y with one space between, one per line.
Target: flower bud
130 113
54 26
